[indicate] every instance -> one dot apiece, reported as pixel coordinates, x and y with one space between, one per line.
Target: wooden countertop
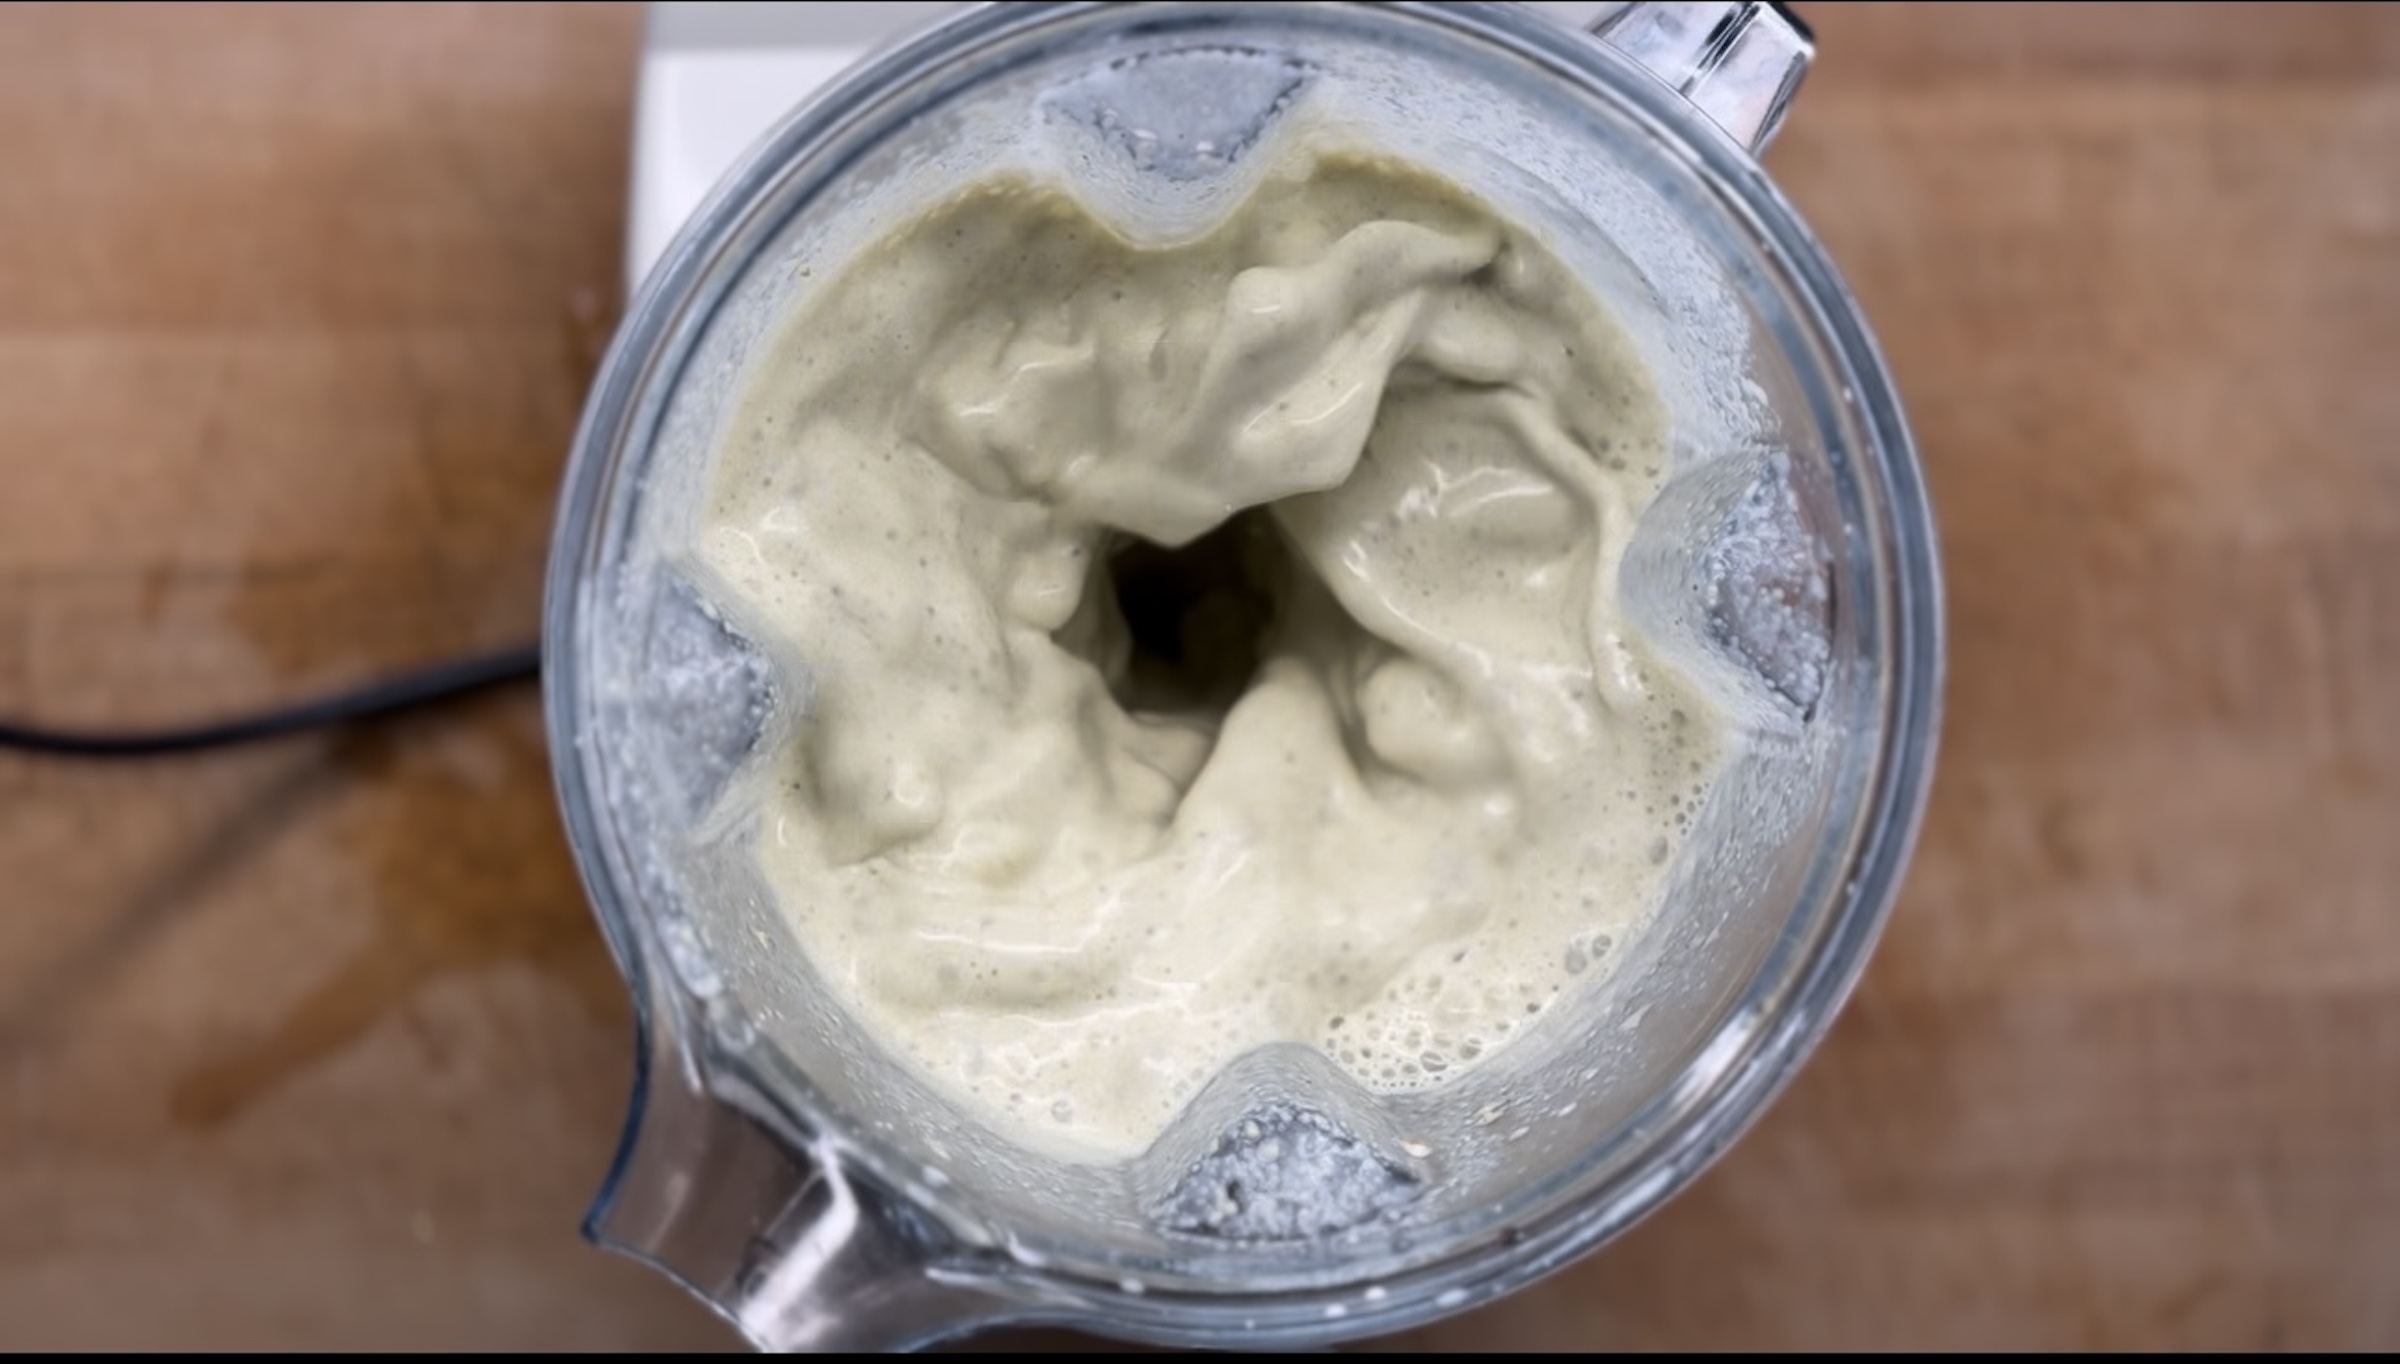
314 1045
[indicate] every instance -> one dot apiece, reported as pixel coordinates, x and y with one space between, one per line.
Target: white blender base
715 75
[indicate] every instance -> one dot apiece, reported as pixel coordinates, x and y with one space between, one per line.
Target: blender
820 1195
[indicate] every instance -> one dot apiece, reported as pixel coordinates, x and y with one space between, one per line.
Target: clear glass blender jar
815 1191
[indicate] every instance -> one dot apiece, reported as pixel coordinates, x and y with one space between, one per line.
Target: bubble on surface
1768 596
1286 1173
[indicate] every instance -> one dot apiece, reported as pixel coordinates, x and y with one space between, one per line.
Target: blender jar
814 1190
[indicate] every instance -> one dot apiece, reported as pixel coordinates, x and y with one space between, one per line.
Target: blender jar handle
787 1244
1740 63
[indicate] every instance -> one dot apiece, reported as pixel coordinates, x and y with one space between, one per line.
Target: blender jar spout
789 1245
1739 63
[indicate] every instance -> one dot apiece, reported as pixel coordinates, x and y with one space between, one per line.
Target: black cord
388 696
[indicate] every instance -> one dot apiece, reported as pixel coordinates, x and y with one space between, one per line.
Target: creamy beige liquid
1204 646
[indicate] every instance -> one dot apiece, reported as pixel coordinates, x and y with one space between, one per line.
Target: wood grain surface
314 1045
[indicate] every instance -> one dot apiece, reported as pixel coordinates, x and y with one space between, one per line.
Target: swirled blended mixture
1201 646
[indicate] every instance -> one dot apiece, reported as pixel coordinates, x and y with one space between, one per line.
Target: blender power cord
413 690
